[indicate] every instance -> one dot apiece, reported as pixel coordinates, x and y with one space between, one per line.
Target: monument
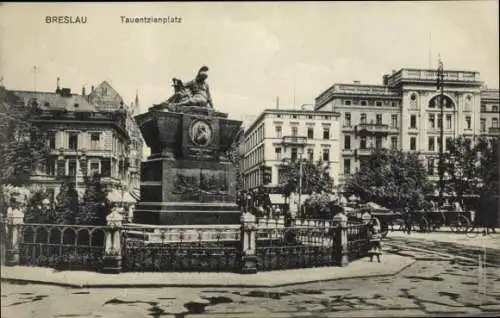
188 178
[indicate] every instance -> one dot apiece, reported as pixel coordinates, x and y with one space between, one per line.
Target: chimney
58 89
277 102
356 82
83 90
393 71
92 88
385 80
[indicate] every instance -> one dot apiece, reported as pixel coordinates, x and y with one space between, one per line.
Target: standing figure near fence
375 242
408 220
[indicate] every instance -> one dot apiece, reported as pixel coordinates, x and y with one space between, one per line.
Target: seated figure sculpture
193 93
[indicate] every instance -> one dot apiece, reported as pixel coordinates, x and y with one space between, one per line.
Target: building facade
280 134
85 137
404 113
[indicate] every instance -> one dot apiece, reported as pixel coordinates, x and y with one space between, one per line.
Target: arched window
435 102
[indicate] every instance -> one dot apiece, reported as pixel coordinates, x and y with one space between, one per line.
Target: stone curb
187 285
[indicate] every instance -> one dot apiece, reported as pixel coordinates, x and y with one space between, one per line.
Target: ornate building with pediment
404 113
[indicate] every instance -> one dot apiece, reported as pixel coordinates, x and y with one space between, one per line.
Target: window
379 119
347 102
94 141
363 118
310 133
430 166
378 104
326 133
483 124
494 123
363 103
278 116
413 143
432 121
72 167
439 121
448 121
347 142
394 142
278 131
362 142
483 108
413 121
394 121
73 141
439 142
106 167
309 116
50 166
310 154
294 154
448 142
394 104
431 144
378 142
347 120
468 122
294 116
278 153
52 140
494 109
326 155
94 168
104 91
294 131
347 166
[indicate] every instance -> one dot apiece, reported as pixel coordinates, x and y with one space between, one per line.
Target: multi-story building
490 113
279 134
404 113
106 98
84 137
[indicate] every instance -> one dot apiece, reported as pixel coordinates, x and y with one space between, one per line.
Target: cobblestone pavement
474 254
435 287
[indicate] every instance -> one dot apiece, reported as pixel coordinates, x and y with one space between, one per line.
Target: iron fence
202 249
296 247
61 246
358 240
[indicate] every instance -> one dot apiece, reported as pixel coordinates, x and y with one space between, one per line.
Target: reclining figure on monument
193 93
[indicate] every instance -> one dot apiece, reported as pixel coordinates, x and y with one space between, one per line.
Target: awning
375 206
277 199
116 196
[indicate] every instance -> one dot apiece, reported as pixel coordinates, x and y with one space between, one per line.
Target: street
428 288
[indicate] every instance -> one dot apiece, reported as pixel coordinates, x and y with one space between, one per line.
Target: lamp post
440 87
299 206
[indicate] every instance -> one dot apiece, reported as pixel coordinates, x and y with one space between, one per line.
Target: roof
52 100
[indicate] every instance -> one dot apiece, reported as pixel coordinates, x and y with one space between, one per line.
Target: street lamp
301 152
440 87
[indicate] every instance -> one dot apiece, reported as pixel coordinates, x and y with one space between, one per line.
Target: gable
105 96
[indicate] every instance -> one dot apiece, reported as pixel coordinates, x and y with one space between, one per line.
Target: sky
256 52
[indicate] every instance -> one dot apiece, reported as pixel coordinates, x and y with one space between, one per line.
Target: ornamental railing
253 245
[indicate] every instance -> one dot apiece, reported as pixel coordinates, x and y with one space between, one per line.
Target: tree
67 205
95 203
235 156
391 178
23 145
315 177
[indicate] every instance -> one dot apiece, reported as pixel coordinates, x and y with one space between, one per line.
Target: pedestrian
375 242
408 220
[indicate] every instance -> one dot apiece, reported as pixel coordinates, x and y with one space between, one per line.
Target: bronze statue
193 93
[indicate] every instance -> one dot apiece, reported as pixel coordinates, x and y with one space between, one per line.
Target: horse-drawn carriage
429 219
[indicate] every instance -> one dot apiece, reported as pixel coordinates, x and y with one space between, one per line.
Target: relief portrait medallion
201 133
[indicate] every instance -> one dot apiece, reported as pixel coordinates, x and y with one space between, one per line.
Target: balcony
494 130
363 152
294 141
372 129
430 76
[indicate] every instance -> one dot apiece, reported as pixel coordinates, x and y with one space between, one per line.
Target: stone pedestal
187 180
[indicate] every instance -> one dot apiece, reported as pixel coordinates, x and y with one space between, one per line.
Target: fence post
341 232
112 260
248 258
15 219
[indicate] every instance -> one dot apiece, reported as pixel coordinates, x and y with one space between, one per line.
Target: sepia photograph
249 159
